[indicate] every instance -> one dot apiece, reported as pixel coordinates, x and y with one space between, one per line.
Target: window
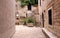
29 6
50 16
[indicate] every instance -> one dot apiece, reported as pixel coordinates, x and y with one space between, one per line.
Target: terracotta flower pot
30 24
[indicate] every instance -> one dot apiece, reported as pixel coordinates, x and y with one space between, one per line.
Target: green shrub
30 20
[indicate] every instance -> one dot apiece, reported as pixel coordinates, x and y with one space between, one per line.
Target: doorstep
48 34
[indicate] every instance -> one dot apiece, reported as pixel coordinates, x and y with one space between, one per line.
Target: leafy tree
27 2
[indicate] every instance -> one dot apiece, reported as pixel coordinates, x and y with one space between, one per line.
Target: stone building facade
7 18
36 16
20 13
24 12
50 15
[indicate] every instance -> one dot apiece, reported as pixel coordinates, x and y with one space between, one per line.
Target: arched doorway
43 19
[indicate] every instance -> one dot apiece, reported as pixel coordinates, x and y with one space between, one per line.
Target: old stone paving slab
28 32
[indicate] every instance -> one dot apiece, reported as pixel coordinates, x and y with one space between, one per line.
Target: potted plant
30 21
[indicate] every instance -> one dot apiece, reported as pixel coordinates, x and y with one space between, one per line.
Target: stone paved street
28 32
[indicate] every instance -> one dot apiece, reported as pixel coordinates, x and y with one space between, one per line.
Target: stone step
48 34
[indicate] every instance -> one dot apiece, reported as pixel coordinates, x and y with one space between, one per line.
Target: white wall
7 18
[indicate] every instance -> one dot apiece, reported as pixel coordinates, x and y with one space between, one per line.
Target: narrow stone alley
28 32
29 19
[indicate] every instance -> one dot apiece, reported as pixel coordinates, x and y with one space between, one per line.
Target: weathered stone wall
22 11
40 12
55 27
56 17
55 6
7 18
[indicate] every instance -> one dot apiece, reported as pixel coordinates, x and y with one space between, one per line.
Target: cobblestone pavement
28 32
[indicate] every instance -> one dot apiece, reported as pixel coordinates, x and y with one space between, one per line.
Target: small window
29 6
50 16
